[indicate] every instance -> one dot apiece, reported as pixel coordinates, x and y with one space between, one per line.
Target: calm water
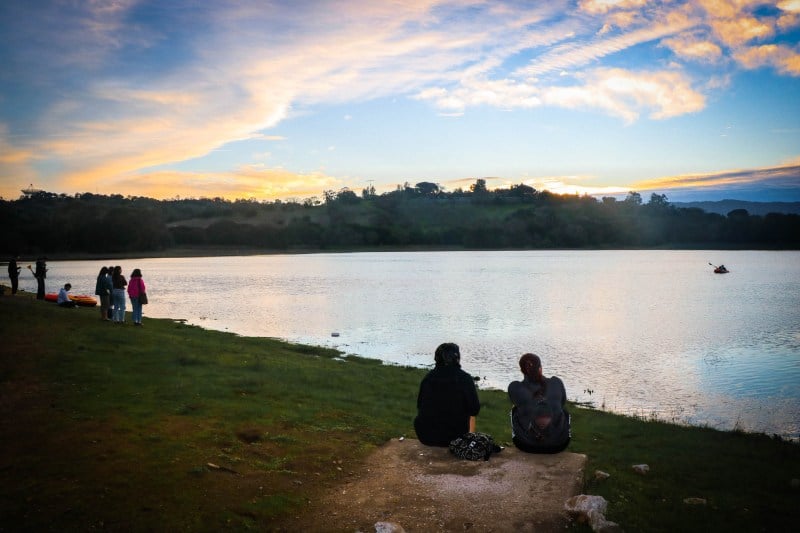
653 333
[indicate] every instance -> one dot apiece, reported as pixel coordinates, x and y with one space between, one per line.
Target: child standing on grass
138 294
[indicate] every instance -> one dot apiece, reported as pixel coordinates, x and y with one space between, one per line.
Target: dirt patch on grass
426 489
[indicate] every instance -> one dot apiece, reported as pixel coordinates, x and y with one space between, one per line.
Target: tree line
422 215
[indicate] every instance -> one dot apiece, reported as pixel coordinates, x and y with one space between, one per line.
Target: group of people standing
111 288
40 273
447 405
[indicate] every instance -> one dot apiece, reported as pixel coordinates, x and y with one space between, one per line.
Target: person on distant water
137 293
40 274
63 296
13 273
103 289
118 294
540 422
447 403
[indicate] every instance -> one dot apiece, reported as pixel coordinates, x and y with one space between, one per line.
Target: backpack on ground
474 446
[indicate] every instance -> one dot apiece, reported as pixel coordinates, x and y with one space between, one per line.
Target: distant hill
723 207
420 217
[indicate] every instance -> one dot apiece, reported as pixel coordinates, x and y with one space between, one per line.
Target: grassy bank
171 427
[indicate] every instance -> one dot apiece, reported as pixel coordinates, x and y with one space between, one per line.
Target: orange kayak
79 299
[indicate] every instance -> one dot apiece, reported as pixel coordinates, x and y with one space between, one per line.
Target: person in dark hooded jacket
540 422
40 274
13 274
447 403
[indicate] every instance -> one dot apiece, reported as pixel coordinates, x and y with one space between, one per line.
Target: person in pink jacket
138 295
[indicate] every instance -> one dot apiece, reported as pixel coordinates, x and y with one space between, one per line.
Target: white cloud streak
159 92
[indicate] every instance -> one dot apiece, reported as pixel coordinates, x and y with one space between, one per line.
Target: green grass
114 427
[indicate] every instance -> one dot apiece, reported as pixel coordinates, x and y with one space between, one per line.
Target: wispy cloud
115 89
618 92
787 176
584 50
625 94
236 79
499 93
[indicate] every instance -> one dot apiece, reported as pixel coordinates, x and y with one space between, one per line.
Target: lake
651 333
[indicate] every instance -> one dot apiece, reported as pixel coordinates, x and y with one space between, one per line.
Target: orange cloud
743 29
694 47
782 58
247 182
788 175
597 7
14 164
620 19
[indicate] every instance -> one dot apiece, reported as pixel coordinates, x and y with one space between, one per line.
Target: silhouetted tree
479 187
426 188
633 198
659 200
346 196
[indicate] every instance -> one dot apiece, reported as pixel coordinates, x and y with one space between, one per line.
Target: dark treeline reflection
421 216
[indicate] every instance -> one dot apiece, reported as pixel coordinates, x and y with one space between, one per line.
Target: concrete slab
424 488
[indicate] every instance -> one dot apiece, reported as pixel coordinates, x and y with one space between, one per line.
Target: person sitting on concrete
447 403
63 296
540 422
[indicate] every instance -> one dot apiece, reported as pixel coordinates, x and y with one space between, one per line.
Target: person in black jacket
13 274
40 274
447 403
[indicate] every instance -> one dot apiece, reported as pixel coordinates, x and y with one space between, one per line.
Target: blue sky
266 100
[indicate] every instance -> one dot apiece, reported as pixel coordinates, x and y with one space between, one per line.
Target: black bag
474 446
143 298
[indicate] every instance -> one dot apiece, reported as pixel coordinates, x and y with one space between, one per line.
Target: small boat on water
721 270
82 300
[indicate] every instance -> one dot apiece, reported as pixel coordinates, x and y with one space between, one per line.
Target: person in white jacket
63 296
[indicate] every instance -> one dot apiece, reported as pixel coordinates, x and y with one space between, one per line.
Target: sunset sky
287 99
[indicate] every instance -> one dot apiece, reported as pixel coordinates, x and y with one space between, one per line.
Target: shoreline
633 413
222 251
